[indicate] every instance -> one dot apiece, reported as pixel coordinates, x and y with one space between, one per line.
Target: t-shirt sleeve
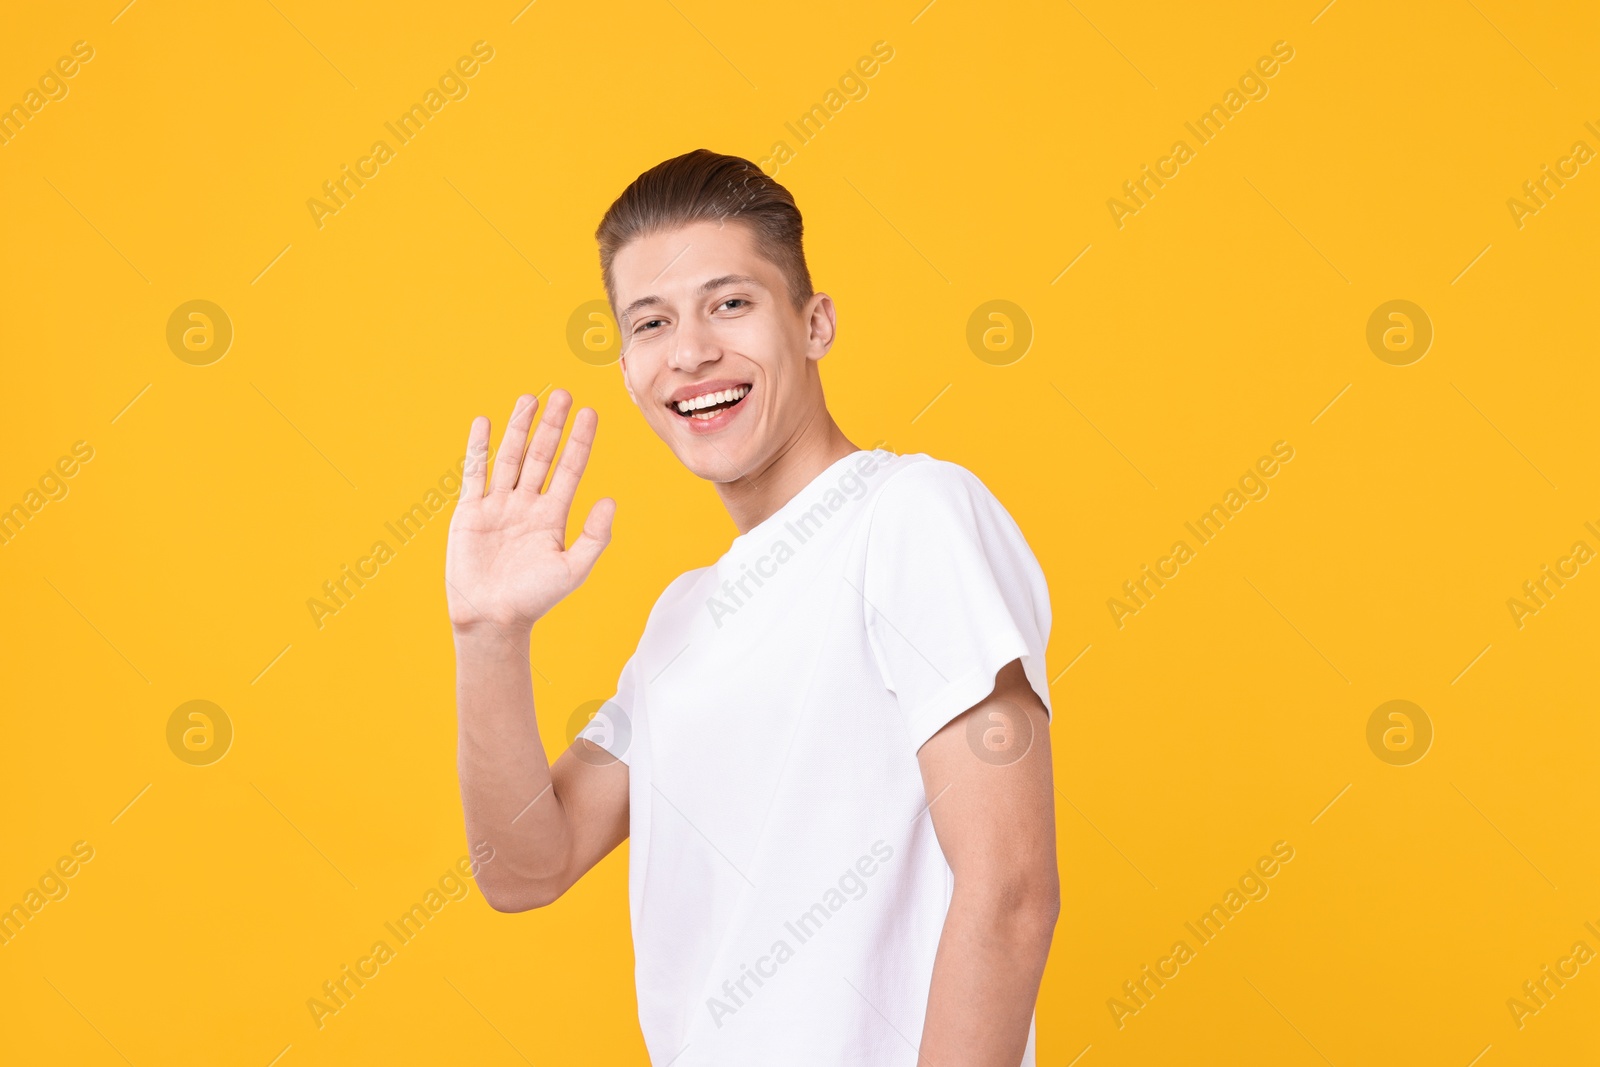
616 724
952 593
611 727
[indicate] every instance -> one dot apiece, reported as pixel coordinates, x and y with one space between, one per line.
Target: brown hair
706 186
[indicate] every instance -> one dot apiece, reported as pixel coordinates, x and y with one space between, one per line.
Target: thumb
595 537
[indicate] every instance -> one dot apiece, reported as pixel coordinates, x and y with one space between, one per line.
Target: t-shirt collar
761 533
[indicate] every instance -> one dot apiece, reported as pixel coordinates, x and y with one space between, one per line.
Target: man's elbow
1050 909
1039 904
1025 902
511 900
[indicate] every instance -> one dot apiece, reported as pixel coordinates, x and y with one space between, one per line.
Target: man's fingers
545 439
476 471
574 456
594 538
509 460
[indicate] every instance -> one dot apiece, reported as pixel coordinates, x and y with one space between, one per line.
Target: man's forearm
986 978
506 790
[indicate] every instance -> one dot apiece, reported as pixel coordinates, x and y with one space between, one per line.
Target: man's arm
506 566
991 793
547 824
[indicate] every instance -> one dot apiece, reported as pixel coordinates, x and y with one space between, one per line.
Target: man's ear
622 361
821 325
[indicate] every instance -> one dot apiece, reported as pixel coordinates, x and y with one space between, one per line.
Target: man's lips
720 408
700 402
710 385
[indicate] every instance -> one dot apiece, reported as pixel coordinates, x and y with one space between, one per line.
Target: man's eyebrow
705 287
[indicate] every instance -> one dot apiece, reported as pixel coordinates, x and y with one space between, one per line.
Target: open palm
507 562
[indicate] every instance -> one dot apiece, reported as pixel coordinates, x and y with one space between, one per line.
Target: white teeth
694 404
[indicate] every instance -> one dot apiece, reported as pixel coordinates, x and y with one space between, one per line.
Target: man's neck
760 493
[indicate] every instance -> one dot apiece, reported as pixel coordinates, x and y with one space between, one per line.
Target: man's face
702 313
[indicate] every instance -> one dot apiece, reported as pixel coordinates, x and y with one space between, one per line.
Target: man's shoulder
680 587
931 501
918 485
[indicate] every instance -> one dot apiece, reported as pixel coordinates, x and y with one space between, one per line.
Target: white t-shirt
786 888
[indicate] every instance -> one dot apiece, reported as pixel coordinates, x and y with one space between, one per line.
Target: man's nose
694 344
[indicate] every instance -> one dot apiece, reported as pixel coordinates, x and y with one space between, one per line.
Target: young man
830 748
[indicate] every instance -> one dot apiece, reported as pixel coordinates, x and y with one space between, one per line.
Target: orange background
1229 313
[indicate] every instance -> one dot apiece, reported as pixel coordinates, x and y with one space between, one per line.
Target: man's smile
709 406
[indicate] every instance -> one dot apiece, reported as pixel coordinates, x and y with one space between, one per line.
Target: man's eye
642 325
734 300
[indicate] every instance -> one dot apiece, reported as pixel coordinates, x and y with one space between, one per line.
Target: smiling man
830 747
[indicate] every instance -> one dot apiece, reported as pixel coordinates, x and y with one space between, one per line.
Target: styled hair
706 186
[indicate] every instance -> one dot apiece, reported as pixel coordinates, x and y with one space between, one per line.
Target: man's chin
713 458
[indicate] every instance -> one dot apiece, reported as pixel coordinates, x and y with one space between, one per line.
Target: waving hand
507 562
